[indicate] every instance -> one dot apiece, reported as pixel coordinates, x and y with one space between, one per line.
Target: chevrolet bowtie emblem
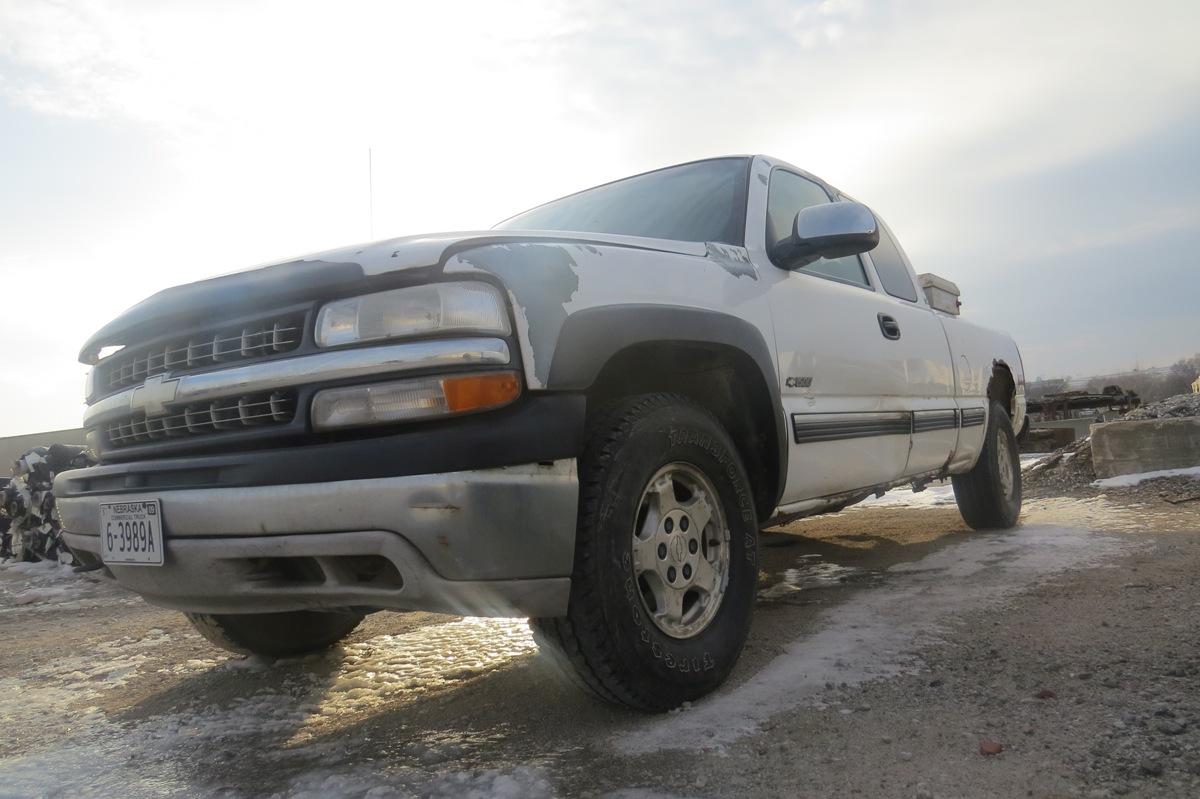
153 396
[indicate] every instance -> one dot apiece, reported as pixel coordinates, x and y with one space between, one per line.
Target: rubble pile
1066 468
33 529
1171 408
1070 467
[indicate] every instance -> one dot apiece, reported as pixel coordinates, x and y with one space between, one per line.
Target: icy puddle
876 633
394 668
811 572
81 751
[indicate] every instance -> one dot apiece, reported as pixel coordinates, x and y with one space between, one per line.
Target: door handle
889 327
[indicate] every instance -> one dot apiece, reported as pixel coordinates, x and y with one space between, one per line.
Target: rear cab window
789 194
891 266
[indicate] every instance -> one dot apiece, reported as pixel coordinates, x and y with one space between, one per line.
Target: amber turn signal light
476 392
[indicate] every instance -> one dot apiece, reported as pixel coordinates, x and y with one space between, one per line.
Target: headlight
420 310
417 398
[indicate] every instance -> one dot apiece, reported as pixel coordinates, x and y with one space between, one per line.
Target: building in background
13 447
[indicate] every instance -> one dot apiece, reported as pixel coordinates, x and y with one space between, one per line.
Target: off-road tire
606 641
982 499
275 635
1023 434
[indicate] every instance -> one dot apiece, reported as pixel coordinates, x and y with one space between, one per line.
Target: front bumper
496 541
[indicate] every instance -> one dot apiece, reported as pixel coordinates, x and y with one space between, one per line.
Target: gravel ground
890 649
1086 685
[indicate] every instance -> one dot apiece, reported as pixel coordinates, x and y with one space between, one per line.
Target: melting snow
92 755
868 636
935 495
50 586
522 782
1127 480
811 571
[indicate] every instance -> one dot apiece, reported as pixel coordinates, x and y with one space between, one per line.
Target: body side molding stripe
973 417
813 428
927 421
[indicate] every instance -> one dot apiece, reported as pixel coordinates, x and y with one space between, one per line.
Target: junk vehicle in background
30 528
583 416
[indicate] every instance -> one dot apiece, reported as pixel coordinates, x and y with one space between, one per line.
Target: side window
890 266
788 195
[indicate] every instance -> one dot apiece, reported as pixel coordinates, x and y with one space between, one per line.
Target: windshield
700 201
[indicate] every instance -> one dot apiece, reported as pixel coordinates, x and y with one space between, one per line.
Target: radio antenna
370 194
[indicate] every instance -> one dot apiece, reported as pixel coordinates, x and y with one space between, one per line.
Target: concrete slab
1145 446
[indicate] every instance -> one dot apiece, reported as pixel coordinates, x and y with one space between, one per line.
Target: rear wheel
989 496
296 632
666 556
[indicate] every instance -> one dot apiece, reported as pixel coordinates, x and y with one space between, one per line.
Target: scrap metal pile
30 528
1069 404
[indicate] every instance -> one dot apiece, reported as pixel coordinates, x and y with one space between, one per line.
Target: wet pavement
104 695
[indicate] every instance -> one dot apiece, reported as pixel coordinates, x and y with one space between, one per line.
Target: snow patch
50 586
43 570
1128 480
935 495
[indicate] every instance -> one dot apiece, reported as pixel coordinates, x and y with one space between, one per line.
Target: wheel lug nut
662 551
687 572
683 523
669 524
693 546
671 574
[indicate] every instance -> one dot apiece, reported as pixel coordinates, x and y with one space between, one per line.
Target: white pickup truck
583 416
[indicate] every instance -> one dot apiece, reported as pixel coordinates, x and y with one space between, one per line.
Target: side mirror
831 230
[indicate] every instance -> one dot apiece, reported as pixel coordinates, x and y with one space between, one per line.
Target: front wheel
989 496
666 556
275 635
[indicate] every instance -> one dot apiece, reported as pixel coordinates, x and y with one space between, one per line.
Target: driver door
843 380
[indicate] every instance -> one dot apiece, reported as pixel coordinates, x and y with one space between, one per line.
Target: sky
1040 154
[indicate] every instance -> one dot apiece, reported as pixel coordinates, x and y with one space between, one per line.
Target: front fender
578 304
591 338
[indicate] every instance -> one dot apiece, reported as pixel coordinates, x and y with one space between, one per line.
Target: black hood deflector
233 294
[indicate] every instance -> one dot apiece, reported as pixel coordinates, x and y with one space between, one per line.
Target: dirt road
888 645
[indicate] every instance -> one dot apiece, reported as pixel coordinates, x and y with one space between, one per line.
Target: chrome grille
257 339
237 413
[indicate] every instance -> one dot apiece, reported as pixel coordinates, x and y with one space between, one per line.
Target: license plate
131 533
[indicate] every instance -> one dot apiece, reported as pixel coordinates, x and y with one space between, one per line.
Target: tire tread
977 492
221 630
571 636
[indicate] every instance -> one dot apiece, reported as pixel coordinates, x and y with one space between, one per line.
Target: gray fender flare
590 337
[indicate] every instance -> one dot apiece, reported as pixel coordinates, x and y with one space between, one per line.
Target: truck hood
295 280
